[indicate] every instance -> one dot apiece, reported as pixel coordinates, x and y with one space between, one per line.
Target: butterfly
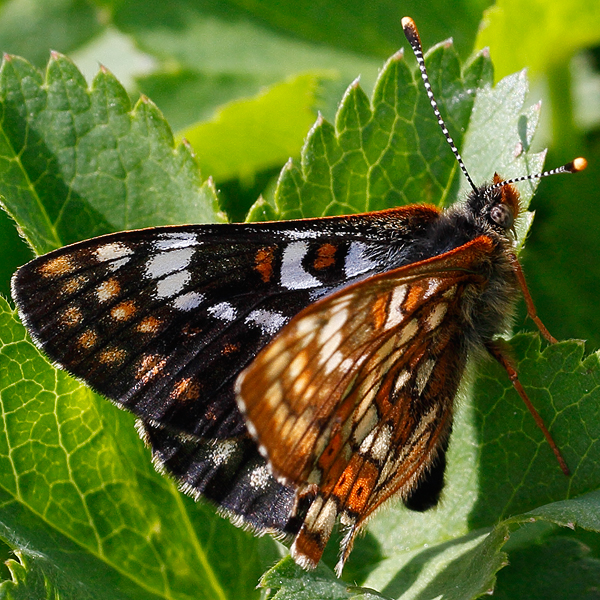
295 373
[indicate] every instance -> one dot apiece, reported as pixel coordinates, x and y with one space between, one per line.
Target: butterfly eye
502 215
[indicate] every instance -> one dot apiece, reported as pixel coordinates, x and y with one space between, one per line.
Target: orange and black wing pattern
353 399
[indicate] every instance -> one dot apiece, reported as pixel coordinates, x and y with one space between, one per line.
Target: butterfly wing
163 320
230 473
355 394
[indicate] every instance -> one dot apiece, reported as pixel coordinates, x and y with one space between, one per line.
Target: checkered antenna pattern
579 164
412 35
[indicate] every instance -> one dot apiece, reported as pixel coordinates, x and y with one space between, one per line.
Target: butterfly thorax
487 213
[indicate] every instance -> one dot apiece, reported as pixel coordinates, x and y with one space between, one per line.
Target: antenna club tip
410 30
579 164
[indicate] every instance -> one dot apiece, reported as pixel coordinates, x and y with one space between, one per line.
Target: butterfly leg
531 311
498 350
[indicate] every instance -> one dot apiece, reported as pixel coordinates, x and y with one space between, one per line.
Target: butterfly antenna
412 35
579 164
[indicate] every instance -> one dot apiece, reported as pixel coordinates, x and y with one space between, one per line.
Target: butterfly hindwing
355 394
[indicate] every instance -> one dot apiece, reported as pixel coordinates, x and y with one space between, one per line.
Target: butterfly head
496 204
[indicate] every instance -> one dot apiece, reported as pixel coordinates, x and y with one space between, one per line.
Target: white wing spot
401 380
297 234
333 326
279 417
334 362
423 375
223 311
189 301
112 251
365 427
357 261
432 287
168 262
347 364
293 275
395 308
222 452
315 476
259 478
326 519
381 445
408 332
274 395
307 325
365 447
312 513
171 241
117 264
172 285
298 364
269 321
436 316
424 423
330 348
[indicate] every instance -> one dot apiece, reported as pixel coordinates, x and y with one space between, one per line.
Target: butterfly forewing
163 320
230 473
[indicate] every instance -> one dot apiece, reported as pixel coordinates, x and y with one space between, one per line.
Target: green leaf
13 250
215 37
77 488
387 153
370 28
252 135
35 579
119 54
579 512
187 96
287 581
33 28
215 41
76 163
258 43
534 574
546 33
